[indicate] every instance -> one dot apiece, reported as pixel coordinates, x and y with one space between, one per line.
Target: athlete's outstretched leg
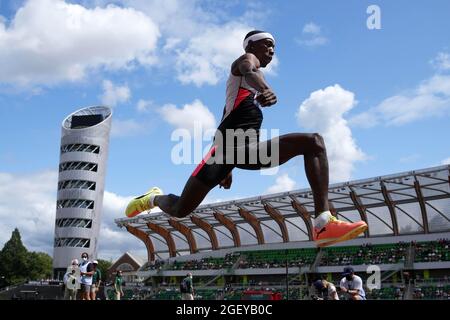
316 167
327 229
180 206
176 206
204 178
312 147
291 145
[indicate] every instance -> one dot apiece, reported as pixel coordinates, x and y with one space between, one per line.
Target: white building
82 170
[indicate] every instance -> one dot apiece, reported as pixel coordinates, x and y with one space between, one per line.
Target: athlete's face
264 50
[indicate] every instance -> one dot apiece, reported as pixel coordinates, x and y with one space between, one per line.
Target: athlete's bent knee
319 143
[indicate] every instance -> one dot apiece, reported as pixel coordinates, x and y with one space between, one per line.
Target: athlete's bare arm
247 65
226 183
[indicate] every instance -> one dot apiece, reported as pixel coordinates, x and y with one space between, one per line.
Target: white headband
257 37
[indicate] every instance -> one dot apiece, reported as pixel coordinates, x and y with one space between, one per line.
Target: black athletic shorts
236 145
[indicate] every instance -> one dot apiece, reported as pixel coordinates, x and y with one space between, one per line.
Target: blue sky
381 98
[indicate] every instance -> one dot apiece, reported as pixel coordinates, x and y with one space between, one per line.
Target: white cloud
314 42
282 183
429 99
171 43
208 56
112 240
311 28
126 128
143 106
28 202
312 36
197 39
33 212
176 18
113 95
204 45
436 85
364 120
441 62
49 41
323 112
190 116
446 161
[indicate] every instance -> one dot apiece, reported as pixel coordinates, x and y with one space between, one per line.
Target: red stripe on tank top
242 94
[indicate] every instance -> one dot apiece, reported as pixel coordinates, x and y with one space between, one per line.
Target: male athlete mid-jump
247 91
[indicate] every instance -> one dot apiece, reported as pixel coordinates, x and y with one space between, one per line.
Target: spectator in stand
418 294
70 281
187 288
118 292
96 280
86 273
352 285
326 290
398 294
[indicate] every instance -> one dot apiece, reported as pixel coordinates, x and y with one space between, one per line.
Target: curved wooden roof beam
163 232
185 231
390 205
141 235
229 224
304 214
361 209
279 219
423 207
205 226
254 222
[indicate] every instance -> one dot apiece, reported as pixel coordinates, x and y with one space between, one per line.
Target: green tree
14 260
103 265
40 265
18 265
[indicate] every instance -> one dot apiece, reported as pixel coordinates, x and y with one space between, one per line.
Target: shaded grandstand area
409 270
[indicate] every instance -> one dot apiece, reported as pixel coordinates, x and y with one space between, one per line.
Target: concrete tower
81 183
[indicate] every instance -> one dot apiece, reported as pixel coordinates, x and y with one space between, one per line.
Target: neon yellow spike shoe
143 202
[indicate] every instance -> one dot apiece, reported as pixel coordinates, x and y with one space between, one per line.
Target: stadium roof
415 202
